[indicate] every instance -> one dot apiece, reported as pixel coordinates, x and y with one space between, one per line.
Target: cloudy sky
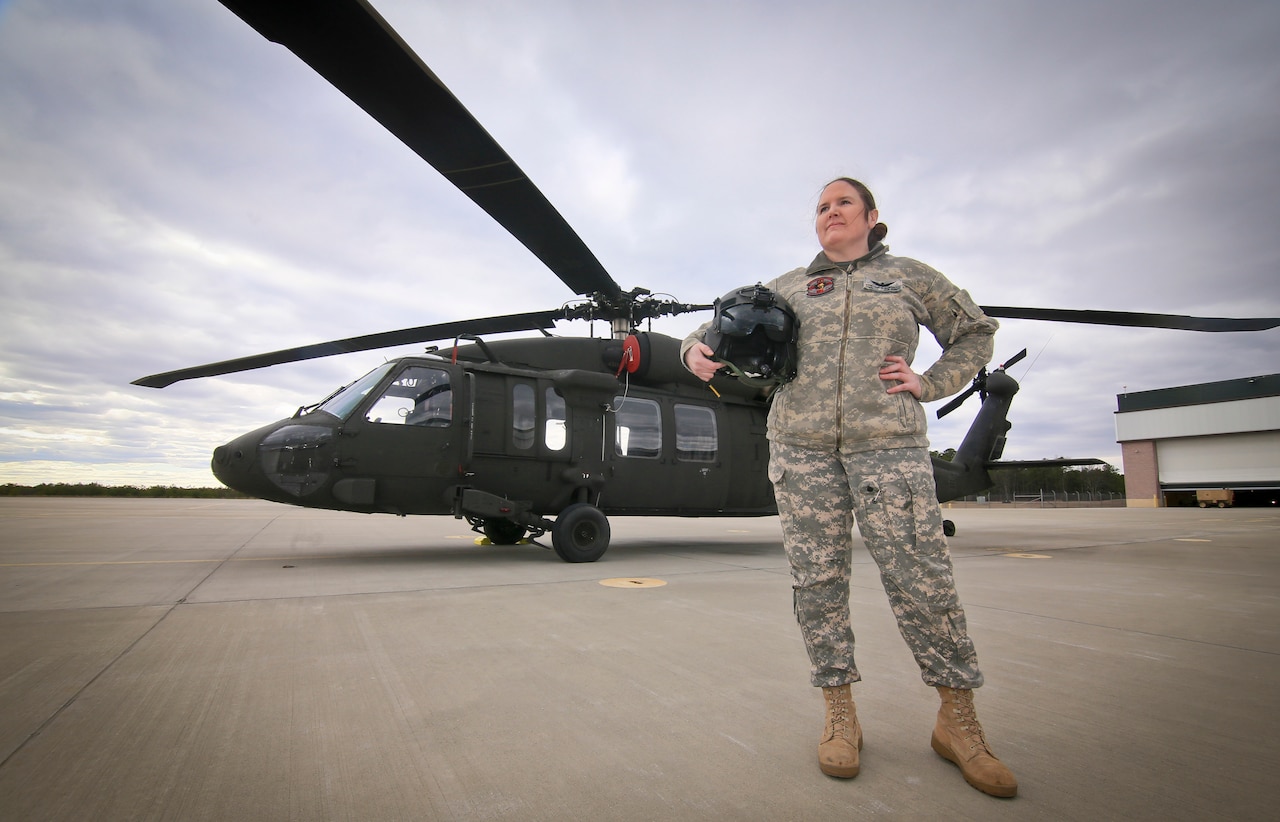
176 190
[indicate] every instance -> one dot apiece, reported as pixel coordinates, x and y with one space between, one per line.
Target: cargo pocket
884 511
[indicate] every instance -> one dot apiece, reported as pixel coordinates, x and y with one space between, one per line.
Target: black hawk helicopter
506 433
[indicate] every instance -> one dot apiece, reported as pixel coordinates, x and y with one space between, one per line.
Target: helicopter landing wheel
948 528
581 533
503 531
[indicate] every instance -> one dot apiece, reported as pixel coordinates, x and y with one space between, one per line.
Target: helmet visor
742 320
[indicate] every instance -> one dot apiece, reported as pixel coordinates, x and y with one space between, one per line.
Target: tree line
93 489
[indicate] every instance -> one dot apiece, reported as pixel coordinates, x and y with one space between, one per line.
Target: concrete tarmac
240 660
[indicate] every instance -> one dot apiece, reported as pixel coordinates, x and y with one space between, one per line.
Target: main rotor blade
1133 320
349 44
405 336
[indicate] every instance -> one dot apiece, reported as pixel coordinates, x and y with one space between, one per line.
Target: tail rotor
979 385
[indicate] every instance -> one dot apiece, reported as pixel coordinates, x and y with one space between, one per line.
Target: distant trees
93 489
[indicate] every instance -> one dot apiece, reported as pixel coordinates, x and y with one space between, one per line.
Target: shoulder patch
819 286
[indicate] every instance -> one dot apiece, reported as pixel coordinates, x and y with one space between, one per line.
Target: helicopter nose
284 461
231 464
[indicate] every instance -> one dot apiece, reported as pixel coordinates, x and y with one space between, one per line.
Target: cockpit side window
420 395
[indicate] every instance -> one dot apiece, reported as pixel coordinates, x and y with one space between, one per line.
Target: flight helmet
754 335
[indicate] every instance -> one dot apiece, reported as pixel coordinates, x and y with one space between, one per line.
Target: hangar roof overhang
1239 406
1246 388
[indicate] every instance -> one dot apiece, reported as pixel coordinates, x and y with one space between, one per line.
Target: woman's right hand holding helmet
698 360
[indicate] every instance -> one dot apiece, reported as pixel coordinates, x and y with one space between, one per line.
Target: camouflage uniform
842 448
891 495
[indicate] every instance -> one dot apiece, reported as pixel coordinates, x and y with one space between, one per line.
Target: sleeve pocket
967 306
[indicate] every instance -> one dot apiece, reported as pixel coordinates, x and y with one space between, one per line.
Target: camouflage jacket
851 317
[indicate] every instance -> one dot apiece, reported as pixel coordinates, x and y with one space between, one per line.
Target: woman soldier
847 441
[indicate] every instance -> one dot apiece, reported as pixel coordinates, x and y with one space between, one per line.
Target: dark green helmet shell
754 335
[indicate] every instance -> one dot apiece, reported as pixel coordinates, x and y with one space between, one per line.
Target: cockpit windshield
344 402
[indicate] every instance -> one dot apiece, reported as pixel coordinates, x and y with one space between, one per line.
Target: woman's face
843 222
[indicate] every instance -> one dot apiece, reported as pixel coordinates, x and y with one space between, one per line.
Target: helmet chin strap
753 380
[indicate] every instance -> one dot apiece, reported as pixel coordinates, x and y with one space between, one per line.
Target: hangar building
1192 440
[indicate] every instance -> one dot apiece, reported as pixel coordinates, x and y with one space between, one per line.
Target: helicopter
509 433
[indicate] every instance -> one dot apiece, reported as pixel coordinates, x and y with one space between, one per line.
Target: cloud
174 190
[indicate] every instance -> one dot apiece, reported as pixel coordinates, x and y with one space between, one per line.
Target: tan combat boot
958 737
842 736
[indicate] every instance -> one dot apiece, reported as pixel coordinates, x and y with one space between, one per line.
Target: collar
824 263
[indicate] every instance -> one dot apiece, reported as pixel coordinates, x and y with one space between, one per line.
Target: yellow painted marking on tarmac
633 582
1030 556
1190 539
737 531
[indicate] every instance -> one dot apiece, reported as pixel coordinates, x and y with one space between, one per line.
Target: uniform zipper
844 342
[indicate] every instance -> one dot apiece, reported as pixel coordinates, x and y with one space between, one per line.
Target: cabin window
418 396
555 434
639 428
695 433
523 415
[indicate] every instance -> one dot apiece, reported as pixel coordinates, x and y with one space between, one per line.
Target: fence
1046 499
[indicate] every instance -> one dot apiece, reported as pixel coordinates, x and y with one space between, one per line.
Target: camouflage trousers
891 496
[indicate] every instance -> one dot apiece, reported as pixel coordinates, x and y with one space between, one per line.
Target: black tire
948 528
503 531
581 533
